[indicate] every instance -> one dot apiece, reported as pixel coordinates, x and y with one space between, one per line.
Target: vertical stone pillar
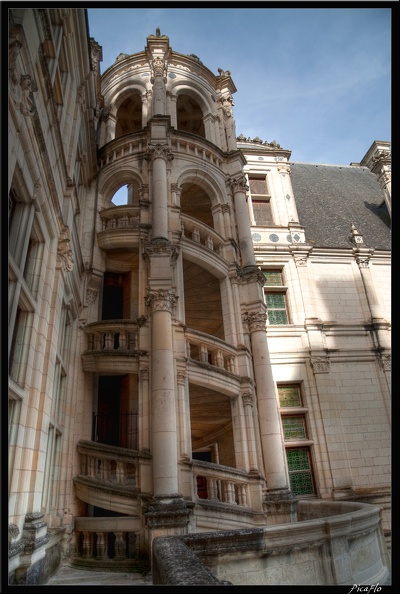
247 398
269 417
163 402
159 154
239 187
185 448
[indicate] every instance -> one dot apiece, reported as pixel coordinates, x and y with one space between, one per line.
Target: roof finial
158 33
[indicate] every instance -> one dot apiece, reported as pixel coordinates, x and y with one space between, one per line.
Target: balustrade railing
202 234
120 217
109 540
110 463
208 349
221 484
112 335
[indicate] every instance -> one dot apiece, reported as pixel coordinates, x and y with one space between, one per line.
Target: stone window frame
299 411
280 288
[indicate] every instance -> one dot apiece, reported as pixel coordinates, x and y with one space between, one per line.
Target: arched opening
196 203
129 116
211 426
203 307
189 115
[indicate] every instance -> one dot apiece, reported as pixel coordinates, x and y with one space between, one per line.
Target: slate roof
331 197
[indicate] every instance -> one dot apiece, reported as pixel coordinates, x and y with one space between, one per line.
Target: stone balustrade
109 463
120 217
209 349
109 542
112 335
202 234
222 484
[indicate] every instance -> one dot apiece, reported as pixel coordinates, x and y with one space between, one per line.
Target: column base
280 507
168 512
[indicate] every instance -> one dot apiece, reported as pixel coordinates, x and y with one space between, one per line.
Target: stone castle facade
208 353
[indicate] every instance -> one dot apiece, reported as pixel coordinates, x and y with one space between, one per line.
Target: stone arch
114 179
189 115
129 114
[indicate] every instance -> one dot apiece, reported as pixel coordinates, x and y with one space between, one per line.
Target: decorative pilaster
247 399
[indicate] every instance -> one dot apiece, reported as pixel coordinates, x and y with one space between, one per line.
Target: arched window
189 115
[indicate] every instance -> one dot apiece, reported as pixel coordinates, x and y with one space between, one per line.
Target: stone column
163 401
159 154
247 399
239 187
269 417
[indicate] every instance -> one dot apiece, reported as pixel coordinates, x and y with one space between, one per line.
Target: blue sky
316 80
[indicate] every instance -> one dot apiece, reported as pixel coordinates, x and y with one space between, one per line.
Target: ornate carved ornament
181 376
22 86
238 184
160 247
256 320
300 260
144 373
64 251
250 274
226 103
355 236
247 398
363 262
386 361
161 300
155 151
158 68
320 364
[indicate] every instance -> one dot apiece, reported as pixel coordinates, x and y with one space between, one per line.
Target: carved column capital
256 320
161 300
238 184
247 398
320 364
160 247
156 151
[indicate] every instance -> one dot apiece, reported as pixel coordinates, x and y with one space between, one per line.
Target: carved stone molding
284 170
155 151
161 300
225 208
238 184
247 398
158 68
250 274
64 251
181 376
386 361
255 320
160 247
362 262
300 260
320 364
144 373
226 103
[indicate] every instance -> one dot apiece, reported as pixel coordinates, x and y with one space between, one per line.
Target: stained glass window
289 396
300 475
294 428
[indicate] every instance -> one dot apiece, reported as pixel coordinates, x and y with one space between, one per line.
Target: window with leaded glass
294 427
275 297
289 396
260 200
300 473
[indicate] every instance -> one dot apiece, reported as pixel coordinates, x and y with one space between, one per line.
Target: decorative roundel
261 158
172 75
289 238
256 237
273 237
